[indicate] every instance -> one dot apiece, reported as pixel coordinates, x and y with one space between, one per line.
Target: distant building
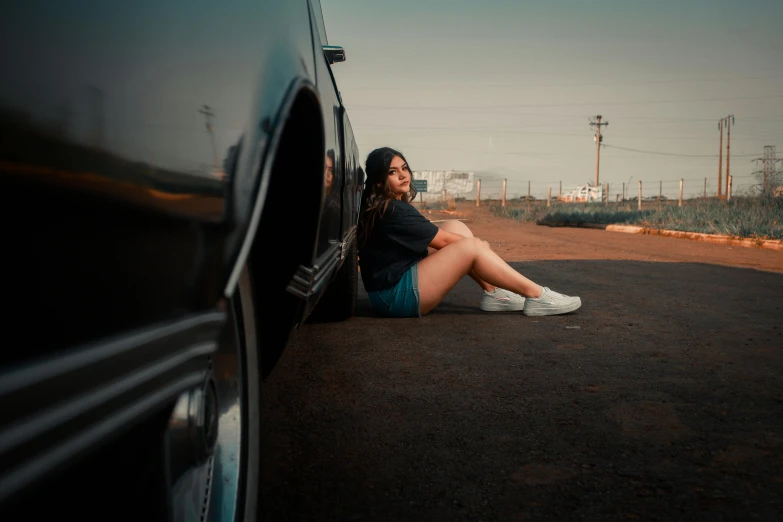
456 184
584 193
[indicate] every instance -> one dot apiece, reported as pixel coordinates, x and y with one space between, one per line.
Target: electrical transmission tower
598 139
768 172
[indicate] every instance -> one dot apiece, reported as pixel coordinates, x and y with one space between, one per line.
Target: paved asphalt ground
660 399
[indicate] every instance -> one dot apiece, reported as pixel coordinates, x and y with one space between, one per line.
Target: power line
563 154
468 131
661 119
456 149
511 85
436 131
469 108
671 153
661 153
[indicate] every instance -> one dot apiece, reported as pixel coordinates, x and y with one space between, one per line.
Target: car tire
226 486
339 301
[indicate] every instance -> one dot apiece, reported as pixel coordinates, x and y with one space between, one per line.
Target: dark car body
151 153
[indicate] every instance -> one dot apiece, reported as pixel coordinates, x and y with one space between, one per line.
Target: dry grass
743 217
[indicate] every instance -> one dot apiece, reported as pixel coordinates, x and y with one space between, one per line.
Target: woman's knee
473 244
456 226
480 243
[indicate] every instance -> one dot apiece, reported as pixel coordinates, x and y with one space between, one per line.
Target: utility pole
206 110
598 139
720 157
680 204
729 121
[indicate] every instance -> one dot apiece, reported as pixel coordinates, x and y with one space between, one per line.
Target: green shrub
745 217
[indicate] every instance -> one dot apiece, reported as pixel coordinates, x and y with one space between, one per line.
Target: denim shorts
401 300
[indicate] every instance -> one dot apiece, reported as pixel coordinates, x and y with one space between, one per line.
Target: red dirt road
527 242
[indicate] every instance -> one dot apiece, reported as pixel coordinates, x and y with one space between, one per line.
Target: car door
329 230
354 178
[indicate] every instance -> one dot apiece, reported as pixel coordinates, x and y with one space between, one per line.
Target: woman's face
329 174
399 177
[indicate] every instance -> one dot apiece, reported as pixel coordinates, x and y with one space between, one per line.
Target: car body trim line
37 373
307 280
57 454
349 236
37 425
57 408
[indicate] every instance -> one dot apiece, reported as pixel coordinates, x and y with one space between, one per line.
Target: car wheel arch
286 213
264 165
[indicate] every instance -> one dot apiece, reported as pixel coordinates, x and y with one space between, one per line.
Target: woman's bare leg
458 227
441 271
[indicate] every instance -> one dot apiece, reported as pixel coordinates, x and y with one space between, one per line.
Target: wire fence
651 190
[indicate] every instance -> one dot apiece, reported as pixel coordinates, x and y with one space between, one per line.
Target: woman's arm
443 238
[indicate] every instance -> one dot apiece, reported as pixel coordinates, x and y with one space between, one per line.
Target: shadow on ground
661 398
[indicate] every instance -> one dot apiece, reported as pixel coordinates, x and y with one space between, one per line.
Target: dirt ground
660 399
527 242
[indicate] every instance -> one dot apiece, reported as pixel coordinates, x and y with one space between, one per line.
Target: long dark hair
377 193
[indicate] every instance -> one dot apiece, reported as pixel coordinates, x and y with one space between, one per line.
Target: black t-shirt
398 241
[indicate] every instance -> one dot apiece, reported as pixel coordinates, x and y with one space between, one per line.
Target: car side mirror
334 53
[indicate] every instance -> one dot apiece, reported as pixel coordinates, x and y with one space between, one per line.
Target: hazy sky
507 88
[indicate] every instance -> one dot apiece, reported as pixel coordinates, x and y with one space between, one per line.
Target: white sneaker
500 300
551 303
